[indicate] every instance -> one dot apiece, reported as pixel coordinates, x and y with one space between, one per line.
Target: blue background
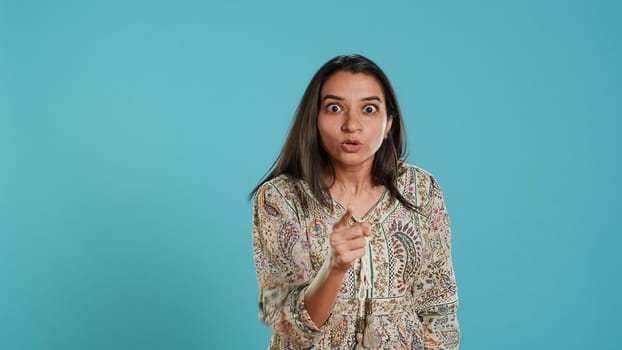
132 131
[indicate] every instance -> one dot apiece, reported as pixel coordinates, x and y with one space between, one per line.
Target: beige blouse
413 288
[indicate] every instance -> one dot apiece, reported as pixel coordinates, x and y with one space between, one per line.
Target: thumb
344 222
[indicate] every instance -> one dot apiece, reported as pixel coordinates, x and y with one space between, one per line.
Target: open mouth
351 146
352 142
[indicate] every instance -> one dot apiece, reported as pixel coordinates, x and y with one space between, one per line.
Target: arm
347 244
283 267
293 302
435 292
322 292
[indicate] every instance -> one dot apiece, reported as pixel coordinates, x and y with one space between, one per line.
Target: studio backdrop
131 133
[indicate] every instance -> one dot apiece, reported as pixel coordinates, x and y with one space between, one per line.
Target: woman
351 244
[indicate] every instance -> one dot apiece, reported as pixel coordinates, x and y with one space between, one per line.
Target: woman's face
352 121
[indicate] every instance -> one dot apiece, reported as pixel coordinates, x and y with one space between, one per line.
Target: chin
359 161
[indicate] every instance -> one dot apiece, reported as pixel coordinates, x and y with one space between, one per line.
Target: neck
352 181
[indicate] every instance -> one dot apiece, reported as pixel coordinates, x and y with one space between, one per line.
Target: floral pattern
414 293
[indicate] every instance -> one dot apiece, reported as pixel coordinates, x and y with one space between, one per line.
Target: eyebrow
338 98
332 97
372 98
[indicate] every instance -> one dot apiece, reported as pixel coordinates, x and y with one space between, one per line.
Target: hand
347 243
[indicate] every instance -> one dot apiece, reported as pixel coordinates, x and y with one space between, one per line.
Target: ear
388 128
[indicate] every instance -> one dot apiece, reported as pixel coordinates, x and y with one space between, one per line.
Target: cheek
381 129
321 129
325 129
322 133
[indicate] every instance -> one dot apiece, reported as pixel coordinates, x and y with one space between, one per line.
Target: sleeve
280 250
435 291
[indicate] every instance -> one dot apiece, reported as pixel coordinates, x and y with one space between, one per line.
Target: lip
351 142
351 145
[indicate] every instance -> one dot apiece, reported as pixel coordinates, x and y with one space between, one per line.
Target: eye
334 108
370 109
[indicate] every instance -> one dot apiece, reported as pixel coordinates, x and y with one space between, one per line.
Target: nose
350 123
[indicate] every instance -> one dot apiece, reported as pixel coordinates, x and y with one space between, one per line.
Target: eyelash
373 106
330 106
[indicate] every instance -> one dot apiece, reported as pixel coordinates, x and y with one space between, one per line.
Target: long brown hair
303 157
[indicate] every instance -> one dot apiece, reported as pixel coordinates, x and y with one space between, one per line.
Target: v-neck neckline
337 214
369 212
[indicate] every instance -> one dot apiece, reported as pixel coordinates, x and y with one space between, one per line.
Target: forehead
352 85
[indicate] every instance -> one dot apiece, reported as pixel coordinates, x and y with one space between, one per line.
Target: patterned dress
413 288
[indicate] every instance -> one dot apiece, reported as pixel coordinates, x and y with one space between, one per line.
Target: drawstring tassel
365 335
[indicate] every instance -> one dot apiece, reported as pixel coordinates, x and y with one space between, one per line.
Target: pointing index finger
344 222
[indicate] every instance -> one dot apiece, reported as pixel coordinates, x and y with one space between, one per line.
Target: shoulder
279 185
410 174
416 183
280 189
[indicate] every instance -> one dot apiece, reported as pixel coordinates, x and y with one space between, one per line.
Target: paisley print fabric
414 294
